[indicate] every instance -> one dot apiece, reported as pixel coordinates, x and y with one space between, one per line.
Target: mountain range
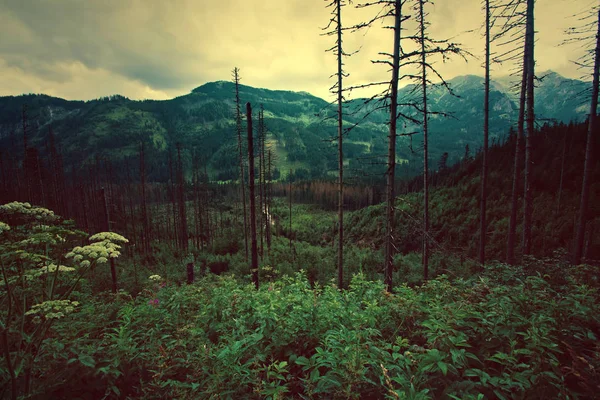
299 131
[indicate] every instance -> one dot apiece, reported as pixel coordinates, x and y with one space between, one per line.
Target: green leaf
87 360
315 374
302 361
443 367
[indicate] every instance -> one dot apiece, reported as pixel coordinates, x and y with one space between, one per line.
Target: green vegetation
526 331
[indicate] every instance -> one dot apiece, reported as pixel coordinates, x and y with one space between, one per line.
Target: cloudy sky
158 49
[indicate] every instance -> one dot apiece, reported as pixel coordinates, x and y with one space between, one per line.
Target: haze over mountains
113 127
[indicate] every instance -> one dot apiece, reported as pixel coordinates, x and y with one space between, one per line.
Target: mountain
112 128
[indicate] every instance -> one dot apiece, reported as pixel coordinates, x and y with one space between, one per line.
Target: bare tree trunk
562 173
196 203
587 168
173 201
129 194
486 121
425 146
269 198
391 164
207 208
183 236
290 207
528 196
254 255
238 122
3 174
590 239
340 249
512 227
145 227
113 270
261 193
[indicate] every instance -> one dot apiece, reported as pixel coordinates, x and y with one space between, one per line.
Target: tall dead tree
391 163
238 127
587 167
486 124
422 23
254 250
337 88
400 58
512 225
269 197
261 178
530 120
514 14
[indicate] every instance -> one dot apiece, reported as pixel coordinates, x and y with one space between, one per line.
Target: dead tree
400 59
337 89
486 124
261 179
145 224
587 168
113 270
269 197
530 120
238 126
254 254
183 235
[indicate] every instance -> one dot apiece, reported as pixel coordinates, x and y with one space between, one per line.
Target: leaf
443 367
302 361
115 390
315 374
591 335
87 360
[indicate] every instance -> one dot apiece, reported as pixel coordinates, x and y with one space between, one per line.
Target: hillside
112 128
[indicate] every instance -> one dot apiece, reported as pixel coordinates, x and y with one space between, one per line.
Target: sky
160 49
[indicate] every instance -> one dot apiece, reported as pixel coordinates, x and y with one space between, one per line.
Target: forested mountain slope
202 121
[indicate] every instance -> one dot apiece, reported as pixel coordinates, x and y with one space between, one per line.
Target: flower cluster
17 208
108 237
52 309
156 278
34 273
54 267
103 248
